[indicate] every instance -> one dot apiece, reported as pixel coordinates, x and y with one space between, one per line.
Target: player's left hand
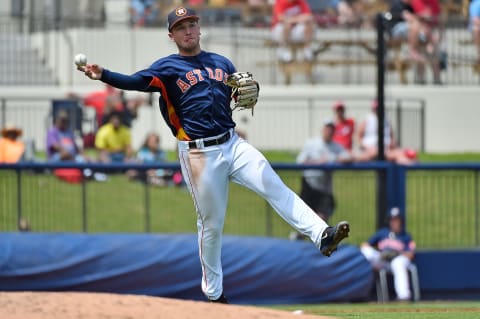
245 90
93 71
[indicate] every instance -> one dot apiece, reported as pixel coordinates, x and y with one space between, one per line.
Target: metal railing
274 116
441 202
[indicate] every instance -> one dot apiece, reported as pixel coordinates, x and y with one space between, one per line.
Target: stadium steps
20 64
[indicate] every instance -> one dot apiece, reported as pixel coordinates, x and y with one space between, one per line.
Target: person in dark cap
392 247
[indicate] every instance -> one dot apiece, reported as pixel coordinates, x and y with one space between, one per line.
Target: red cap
339 105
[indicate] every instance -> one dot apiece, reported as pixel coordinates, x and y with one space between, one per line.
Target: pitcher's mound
48 305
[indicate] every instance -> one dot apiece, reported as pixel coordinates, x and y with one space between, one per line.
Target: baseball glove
389 254
245 90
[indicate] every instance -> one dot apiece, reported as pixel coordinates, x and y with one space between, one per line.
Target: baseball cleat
221 299
332 236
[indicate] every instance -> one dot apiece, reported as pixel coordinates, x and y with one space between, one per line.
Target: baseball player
196 92
394 248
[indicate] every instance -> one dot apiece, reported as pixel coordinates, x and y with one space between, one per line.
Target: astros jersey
207 106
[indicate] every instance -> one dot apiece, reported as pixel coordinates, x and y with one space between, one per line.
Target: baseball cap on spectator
179 14
394 213
339 106
11 129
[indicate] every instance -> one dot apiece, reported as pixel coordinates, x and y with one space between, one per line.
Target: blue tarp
257 270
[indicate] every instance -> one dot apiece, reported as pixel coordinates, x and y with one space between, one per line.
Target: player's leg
401 282
205 174
280 36
250 169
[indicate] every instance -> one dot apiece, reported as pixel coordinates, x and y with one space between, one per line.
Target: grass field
421 310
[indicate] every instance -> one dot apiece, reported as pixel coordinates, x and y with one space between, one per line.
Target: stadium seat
382 283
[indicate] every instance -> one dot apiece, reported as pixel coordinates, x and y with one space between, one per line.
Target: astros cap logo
181 11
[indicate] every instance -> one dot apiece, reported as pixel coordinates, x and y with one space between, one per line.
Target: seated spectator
143 13
113 140
394 248
428 13
344 127
405 26
351 13
11 148
474 24
61 145
368 141
293 23
151 153
317 185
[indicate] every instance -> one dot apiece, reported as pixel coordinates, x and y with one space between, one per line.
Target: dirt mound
48 305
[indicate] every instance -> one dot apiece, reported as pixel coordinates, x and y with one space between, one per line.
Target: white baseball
80 59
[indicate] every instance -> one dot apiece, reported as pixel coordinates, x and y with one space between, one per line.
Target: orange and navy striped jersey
194 98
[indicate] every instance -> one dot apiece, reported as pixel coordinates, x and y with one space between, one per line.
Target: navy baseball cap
179 14
395 212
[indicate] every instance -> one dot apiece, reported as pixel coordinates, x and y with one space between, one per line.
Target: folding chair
382 283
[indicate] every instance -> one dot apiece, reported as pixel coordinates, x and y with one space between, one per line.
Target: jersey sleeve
136 81
374 239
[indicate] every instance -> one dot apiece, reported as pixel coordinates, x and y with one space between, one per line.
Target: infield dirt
75 305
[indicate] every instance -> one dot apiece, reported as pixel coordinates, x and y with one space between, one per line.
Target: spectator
293 23
351 13
405 26
428 13
113 140
143 13
344 127
317 186
151 153
11 148
474 14
368 141
394 248
61 145
98 101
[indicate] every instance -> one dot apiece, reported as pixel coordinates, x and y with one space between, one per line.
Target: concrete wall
5 7
282 118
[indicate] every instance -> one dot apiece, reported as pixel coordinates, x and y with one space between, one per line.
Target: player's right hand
93 71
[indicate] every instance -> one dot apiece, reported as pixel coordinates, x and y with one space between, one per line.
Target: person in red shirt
344 127
293 22
428 13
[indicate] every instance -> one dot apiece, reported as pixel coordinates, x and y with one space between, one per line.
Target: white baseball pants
207 172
